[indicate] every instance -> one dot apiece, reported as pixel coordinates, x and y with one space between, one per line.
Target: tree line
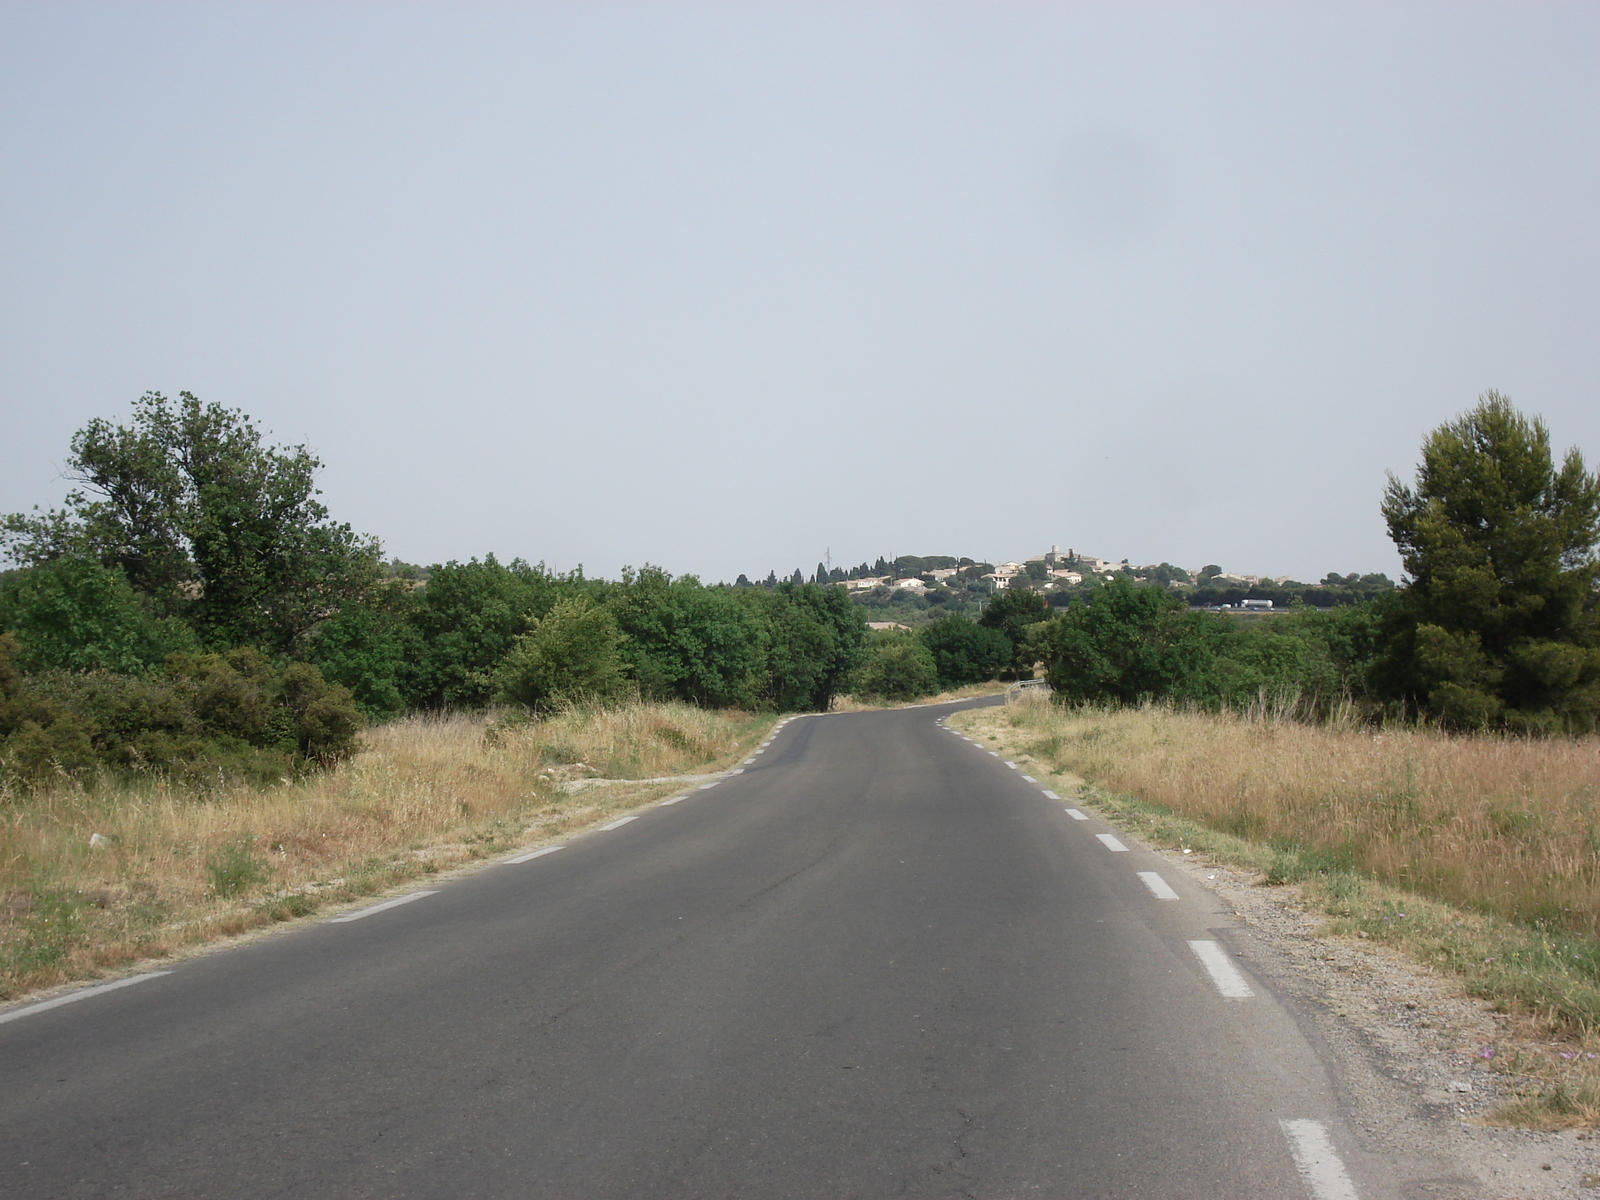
194 608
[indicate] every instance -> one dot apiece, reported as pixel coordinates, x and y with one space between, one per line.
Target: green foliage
206 521
1014 613
208 715
688 642
964 651
234 868
816 639
367 648
1498 625
465 620
896 666
1309 659
571 655
1130 644
74 613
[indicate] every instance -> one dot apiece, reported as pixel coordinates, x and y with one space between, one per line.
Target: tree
689 642
896 666
816 636
1130 644
207 521
465 620
1012 612
964 651
74 613
1497 624
368 648
571 655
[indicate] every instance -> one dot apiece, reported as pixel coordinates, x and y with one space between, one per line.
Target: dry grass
1494 824
1478 856
92 878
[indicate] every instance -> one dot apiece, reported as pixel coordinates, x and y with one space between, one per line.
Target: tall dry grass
1496 824
1475 855
96 876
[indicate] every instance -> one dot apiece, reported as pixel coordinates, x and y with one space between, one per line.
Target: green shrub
233 867
897 666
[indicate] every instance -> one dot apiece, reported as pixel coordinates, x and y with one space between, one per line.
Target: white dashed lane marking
619 822
1159 887
83 994
1075 814
1223 973
1049 795
1111 842
1319 1163
1030 779
533 854
1012 765
378 908
674 800
704 786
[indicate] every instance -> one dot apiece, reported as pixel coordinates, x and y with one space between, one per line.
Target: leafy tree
72 612
1130 644
687 641
367 647
817 636
1498 624
964 651
896 666
1012 612
206 520
1209 572
465 621
571 655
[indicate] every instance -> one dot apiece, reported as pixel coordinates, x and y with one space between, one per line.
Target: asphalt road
877 963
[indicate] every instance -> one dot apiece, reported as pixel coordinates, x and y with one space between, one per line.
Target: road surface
879 962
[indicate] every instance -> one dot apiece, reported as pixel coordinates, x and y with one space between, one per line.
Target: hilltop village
913 588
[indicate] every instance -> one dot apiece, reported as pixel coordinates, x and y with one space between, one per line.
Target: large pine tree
1498 624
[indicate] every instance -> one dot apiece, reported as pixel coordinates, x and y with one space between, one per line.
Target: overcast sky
727 287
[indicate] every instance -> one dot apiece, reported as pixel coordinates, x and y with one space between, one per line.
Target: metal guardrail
1024 686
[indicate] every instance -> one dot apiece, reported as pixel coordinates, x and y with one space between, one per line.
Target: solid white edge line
1111 842
619 822
81 994
1319 1163
1075 814
1159 887
1223 973
378 908
533 854
1049 795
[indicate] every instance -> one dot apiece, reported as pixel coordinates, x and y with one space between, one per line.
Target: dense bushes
897 666
202 716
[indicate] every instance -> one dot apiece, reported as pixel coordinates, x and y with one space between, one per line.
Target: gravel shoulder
1404 1043
1406 1046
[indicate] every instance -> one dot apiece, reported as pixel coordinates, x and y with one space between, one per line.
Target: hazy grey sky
724 286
